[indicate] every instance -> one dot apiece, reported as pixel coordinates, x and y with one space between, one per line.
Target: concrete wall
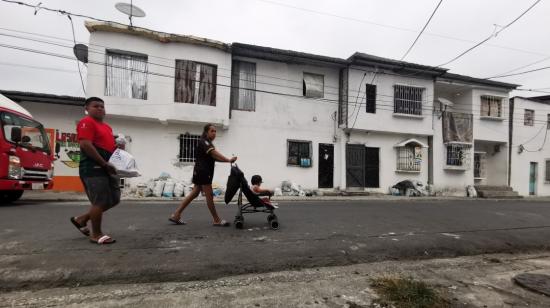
384 120
537 149
160 103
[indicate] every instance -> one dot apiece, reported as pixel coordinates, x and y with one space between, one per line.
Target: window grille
480 163
188 144
459 155
407 100
409 158
126 75
491 106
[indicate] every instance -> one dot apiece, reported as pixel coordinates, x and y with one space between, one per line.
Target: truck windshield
33 135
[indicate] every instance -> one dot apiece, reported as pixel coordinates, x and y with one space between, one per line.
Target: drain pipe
510 134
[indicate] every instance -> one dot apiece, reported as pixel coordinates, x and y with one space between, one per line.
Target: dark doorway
355 165
372 167
326 165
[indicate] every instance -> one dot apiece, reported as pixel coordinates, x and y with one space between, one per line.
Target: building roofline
478 81
544 99
162 37
283 55
364 59
20 96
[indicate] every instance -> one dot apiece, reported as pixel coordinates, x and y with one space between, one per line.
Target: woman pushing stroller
203 173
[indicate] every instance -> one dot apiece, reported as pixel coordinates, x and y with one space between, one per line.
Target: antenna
130 9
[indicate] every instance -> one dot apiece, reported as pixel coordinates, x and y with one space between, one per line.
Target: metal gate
355 165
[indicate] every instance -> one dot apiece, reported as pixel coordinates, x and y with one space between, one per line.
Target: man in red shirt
97 144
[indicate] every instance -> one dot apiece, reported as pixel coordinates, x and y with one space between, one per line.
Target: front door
372 167
326 165
355 166
533 179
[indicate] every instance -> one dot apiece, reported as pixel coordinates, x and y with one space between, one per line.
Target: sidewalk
478 281
52 196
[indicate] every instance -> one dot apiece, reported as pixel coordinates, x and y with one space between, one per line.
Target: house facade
530 166
362 124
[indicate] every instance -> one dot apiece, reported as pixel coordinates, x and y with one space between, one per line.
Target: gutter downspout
510 138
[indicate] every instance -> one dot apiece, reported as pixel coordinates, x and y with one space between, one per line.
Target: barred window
299 153
529 117
407 99
480 161
409 158
458 155
188 144
126 75
547 171
195 83
491 106
548 121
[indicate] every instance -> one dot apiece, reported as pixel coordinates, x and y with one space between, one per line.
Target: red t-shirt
99 133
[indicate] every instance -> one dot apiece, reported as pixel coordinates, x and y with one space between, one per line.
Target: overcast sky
384 28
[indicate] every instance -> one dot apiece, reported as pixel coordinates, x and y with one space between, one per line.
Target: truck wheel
10 196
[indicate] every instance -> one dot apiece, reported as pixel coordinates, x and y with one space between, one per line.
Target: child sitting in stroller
256 182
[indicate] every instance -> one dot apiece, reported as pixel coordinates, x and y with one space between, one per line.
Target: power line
421 31
393 27
77 61
521 67
521 73
491 36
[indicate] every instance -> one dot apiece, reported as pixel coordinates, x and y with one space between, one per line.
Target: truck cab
26 158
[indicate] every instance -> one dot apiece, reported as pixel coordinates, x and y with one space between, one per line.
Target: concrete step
355 193
494 188
494 194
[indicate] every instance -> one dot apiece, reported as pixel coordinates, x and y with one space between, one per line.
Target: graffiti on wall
69 149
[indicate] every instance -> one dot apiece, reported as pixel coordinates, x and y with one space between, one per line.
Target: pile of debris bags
289 188
409 188
168 187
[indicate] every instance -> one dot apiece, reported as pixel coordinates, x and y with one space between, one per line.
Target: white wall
533 139
160 103
384 119
490 129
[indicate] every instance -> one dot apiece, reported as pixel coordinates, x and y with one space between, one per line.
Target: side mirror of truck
16 134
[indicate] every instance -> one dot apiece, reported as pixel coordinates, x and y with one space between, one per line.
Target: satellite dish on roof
81 52
130 10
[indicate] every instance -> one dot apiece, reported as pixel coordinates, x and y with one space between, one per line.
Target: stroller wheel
270 217
274 224
239 224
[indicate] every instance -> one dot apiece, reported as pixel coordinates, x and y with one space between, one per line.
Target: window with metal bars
409 158
195 83
407 99
371 98
529 117
299 153
458 155
479 165
188 144
125 75
548 121
547 171
491 106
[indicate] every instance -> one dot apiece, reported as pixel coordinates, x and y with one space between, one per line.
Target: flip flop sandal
176 221
83 229
104 240
222 223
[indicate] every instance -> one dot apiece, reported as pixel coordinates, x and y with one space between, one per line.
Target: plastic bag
159 187
168 190
179 189
124 163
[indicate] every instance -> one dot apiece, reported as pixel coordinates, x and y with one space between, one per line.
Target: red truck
26 158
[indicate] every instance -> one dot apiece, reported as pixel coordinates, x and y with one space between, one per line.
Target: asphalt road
39 248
